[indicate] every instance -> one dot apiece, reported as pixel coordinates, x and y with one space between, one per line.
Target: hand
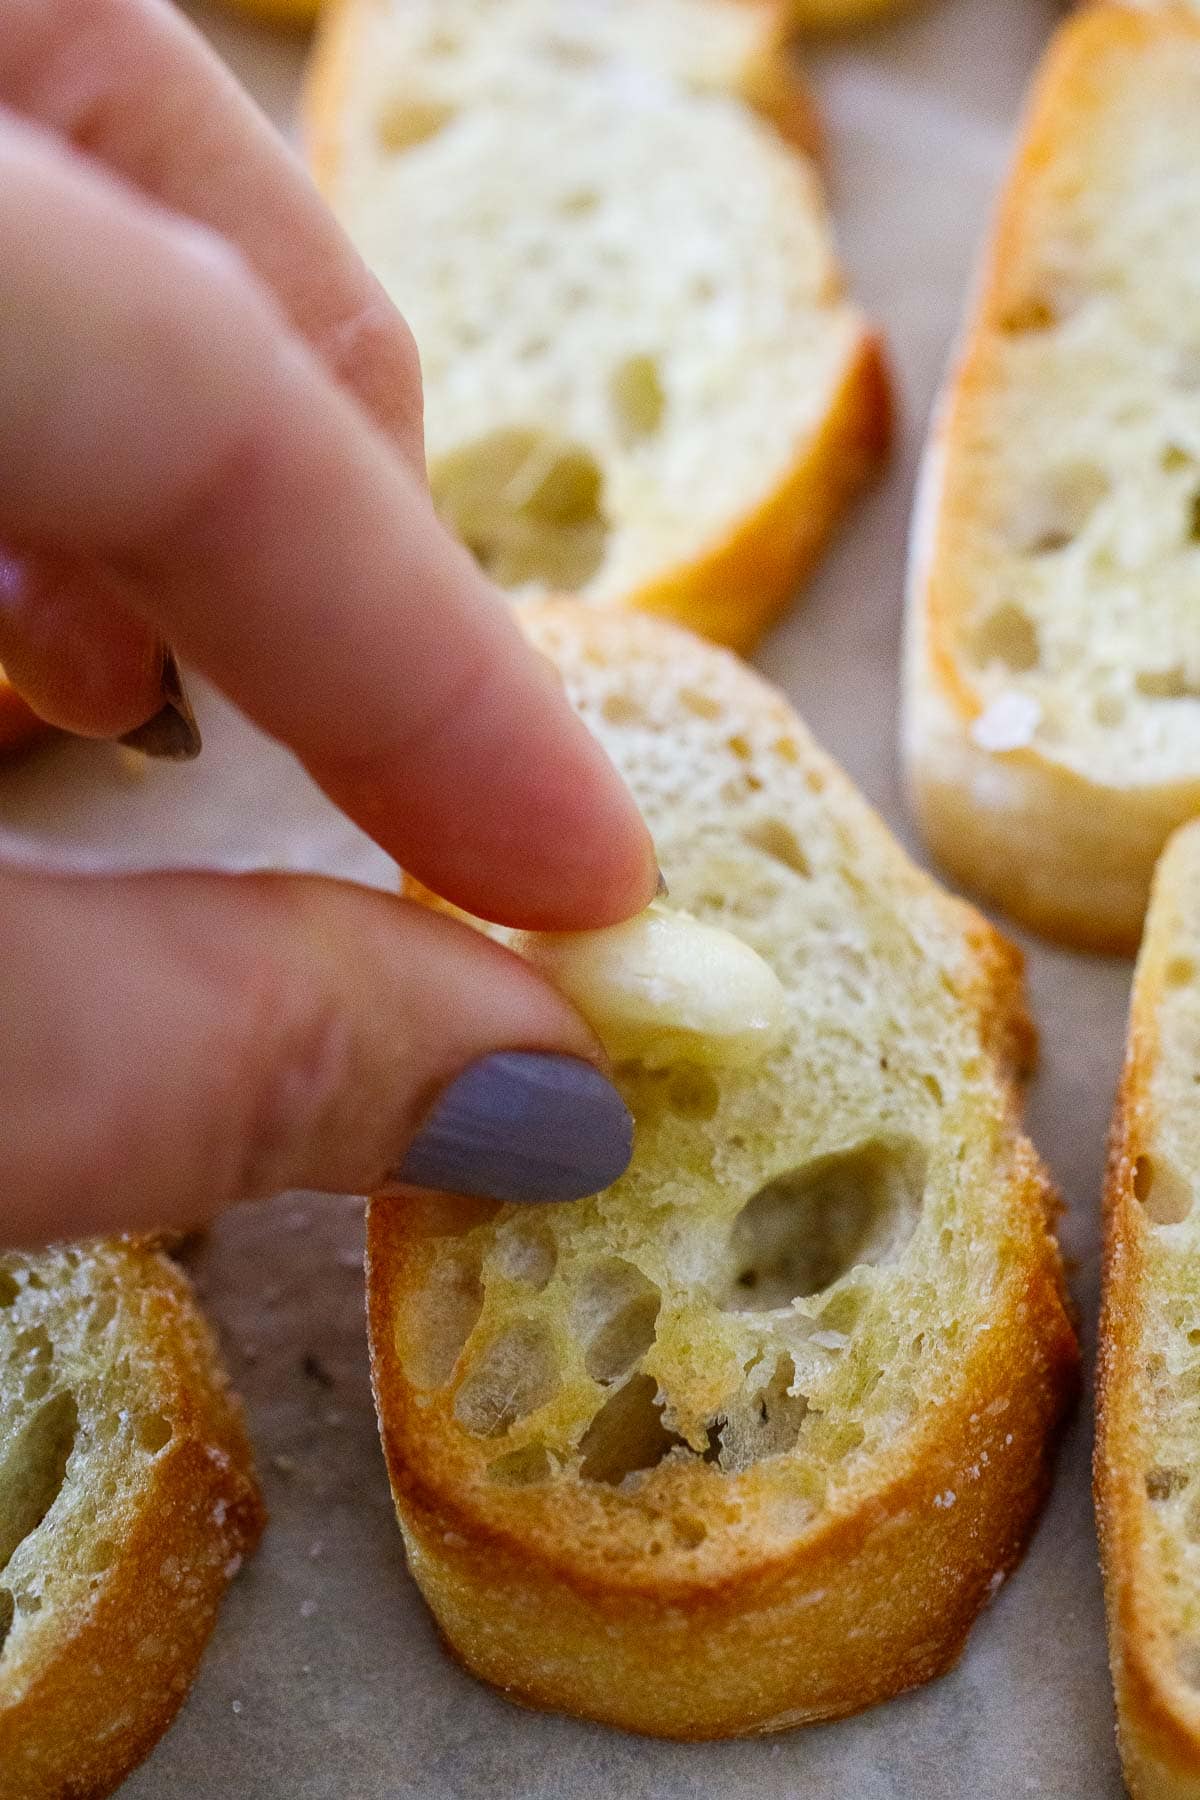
210 435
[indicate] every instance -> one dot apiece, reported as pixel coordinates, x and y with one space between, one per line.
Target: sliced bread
1148 1438
127 1502
1053 668
750 1438
643 381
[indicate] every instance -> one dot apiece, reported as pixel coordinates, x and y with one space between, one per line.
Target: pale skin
210 435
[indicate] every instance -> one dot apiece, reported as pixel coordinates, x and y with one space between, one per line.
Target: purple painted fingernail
522 1126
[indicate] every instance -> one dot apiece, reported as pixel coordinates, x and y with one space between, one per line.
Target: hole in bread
103 1555
701 704
102 1313
442 42
38 1382
638 398
510 1378
780 842
1109 709
740 746
613 1316
407 120
1007 636
439 1316
693 1092
627 1435
1194 518
1032 312
1166 684
525 1251
6 1617
34 1468
579 202
622 709
689 1531
805 1229
528 505
154 1432
570 53
1180 972
533 349
1187 1658
526 1467
1162 1190
765 1423
34 1345
1053 514
10 1287
1162 1484
1174 458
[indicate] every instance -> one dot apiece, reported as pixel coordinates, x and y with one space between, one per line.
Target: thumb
173 1043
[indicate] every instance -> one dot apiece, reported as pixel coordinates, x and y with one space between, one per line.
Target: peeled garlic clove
665 988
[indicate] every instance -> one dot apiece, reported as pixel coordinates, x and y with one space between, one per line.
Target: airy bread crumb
744 1440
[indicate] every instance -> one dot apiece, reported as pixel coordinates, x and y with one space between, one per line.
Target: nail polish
522 1126
171 733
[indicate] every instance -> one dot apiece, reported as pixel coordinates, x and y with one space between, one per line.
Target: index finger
137 87
160 416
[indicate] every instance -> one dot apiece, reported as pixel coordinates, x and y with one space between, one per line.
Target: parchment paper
324 1680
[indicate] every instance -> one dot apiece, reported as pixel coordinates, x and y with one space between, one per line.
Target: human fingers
134 84
160 417
174 1043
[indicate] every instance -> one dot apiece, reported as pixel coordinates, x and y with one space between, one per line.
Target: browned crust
1040 857
89 1713
734 588
556 1597
878 1599
1158 1719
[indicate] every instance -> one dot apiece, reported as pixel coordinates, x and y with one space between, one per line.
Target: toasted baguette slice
1148 1438
748 1439
643 382
1053 670
18 723
127 1502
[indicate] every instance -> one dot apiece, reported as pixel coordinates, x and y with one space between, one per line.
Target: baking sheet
324 1680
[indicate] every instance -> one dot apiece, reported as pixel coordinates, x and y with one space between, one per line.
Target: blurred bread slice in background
644 381
1148 1435
1052 694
